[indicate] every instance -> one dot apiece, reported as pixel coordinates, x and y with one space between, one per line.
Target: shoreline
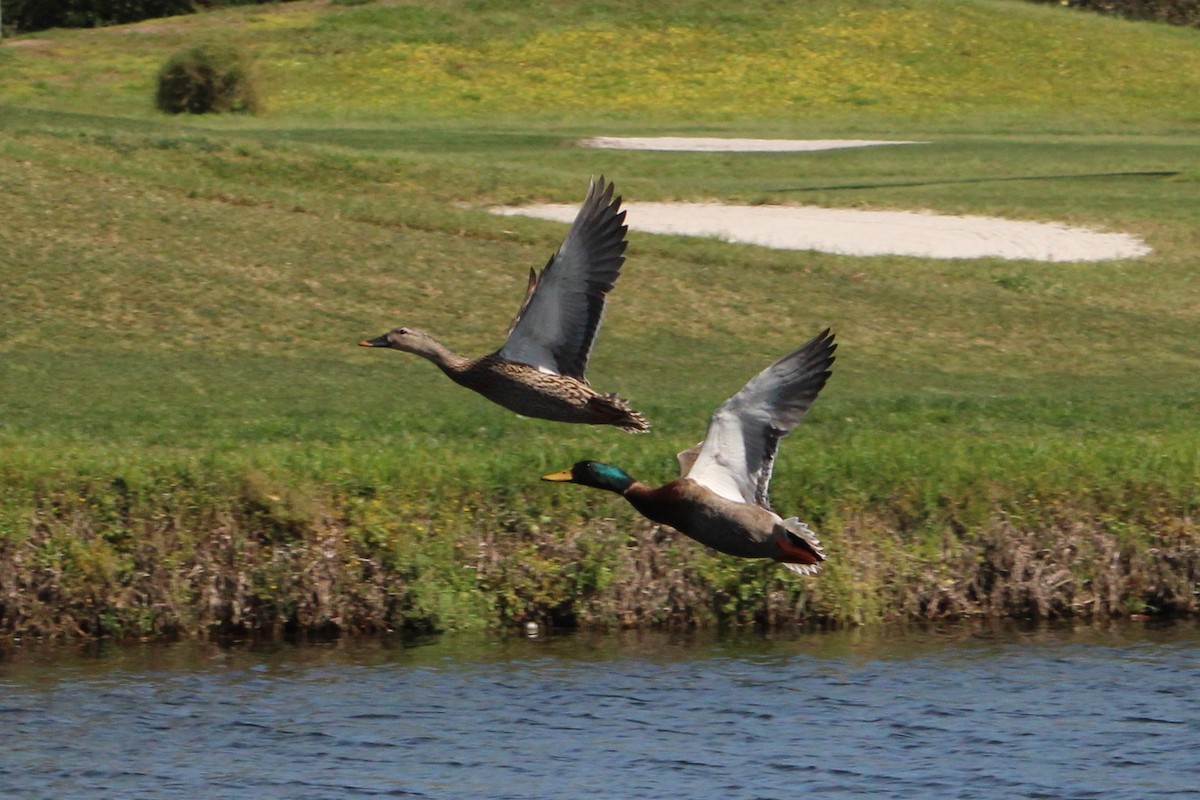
241 567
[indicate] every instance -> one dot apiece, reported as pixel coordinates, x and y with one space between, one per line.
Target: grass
180 299
777 64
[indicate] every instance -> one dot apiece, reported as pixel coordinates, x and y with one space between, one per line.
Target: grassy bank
189 439
194 551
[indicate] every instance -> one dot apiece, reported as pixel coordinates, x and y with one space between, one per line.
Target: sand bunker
846 231
865 233
703 145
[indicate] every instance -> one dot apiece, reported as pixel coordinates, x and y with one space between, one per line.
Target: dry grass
244 570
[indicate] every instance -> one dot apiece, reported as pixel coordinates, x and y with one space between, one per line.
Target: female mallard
539 370
720 500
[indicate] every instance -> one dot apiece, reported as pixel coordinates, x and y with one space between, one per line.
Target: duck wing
687 458
563 305
737 455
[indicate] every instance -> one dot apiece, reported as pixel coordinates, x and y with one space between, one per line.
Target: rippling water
965 714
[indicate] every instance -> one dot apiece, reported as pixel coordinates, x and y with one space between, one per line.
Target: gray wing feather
563 307
533 280
737 455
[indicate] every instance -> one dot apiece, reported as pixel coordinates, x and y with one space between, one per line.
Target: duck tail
634 422
799 548
616 411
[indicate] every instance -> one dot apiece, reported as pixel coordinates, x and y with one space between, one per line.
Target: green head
594 474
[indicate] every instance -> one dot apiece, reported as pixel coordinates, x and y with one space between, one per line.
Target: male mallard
720 500
539 370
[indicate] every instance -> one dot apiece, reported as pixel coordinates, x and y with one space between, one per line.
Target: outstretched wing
561 313
738 452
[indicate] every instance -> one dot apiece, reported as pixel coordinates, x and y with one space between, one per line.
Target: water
959 714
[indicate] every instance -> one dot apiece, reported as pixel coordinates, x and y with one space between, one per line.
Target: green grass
979 65
182 296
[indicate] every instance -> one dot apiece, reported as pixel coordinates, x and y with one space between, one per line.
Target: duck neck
446 359
664 505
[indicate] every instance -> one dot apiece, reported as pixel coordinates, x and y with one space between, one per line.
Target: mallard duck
539 372
720 500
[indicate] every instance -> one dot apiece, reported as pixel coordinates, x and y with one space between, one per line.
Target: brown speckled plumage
533 393
720 500
539 371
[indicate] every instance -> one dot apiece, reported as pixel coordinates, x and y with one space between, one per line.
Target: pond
979 712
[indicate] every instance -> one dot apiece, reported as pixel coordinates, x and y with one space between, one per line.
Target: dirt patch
714 145
28 44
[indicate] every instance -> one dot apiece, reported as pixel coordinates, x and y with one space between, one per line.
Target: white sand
703 145
865 233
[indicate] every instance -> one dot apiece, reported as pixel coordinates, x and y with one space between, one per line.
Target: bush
25 16
1173 12
34 15
206 78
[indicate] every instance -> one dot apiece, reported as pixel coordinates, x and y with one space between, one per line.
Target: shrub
34 15
25 16
1173 12
206 78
